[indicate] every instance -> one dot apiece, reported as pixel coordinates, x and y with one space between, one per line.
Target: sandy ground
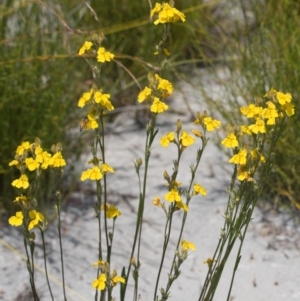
269 268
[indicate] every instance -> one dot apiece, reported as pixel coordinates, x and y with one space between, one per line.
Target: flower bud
178 126
166 176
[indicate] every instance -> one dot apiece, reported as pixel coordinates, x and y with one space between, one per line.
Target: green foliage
262 51
36 83
276 63
41 78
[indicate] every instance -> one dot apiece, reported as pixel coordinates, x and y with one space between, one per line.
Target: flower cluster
264 115
102 55
206 122
98 102
166 13
106 279
95 99
182 139
30 157
97 171
185 139
158 89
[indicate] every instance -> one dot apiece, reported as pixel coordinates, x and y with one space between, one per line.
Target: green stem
102 149
97 209
60 244
149 140
199 156
168 229
30 267
45 264
238 256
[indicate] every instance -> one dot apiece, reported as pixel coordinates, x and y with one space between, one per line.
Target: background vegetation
41 76
264 52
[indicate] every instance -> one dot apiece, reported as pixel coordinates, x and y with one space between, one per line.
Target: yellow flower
103 100
100 282
92 174
186 139
240 158
104 56
23 147
16 220
57 160
91 122
230 141
211 124
99 263
197 133
258 127
44 158
167 14
181 205
187 245
245 130
106 168
156 202
157 8
158 106
283 98
111 211
144 94
35 218
165 140
86 46
251 111
13 162
32 164
199 189
117 279
289 109
85 98
22 182
173 196
38 150
270 113
164 86
22 198
208 261
243 174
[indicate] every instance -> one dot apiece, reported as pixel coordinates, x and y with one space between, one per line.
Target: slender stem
98 206
149 140
238 256
45 264
30 268
60 244
168 229
32 245
199 156
102 149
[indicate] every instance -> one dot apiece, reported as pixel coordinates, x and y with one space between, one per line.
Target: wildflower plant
253 151
252 146
32 160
